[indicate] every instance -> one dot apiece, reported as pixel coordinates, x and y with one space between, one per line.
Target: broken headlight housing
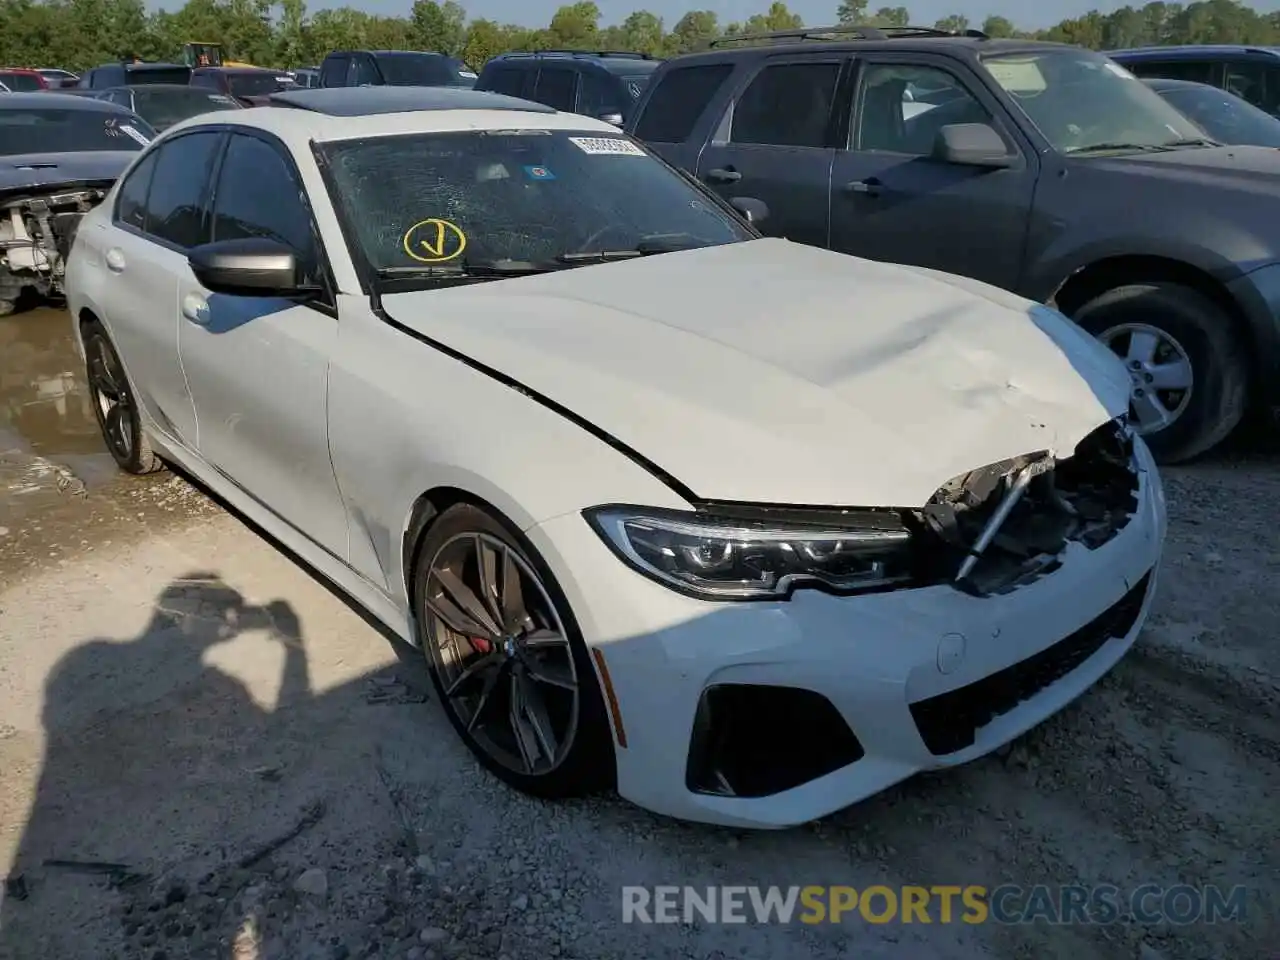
739 558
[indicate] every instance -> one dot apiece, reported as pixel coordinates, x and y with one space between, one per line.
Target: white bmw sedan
747 529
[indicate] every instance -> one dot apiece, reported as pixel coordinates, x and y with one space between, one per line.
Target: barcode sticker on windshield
130 132
607 145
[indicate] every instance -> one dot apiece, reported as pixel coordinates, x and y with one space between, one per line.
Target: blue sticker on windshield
539 173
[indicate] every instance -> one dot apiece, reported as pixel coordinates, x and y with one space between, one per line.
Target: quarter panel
405 418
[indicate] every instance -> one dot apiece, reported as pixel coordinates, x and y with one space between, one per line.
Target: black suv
1251 73
1045 169
604 84
393 68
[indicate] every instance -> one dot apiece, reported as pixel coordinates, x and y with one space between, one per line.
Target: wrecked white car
59 155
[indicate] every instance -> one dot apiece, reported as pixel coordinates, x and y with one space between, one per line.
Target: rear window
21 82
179 75
678 101
419 70
70 131
256 84
635 85
164 108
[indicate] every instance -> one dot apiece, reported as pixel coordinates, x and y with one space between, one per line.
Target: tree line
76 34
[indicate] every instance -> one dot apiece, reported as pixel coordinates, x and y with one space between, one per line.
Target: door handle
723 175
195 308
870 187
115 260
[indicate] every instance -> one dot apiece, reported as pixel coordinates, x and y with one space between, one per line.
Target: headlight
732 559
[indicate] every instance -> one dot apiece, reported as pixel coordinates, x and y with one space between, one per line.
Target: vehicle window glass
181 75
333 72
362 72
122 97
902 107
787 105
1226 117
175 205
516 197
131 207
163 107
257 196
1081 101
1257 83
634 86
419 70
63 130
205 80
555 88
508 80
681 96
600 94
1198 71
254 84
21 82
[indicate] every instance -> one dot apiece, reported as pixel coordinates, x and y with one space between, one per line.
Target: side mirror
971 145
753 211
614 118
249 267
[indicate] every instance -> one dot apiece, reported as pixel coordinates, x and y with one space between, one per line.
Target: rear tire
114 405
1188 329
506 690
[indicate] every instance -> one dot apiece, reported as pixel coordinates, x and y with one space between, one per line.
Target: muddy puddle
50 445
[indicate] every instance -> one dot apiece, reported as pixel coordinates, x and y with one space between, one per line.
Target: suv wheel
1188 370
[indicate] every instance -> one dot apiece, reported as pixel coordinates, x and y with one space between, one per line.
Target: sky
815 12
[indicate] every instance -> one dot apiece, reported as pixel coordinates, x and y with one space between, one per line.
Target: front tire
114 405
507 658
1187 365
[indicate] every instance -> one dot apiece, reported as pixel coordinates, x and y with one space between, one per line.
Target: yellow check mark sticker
434 241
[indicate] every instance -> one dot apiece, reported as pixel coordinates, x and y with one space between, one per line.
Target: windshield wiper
645 246
1108 147
464 270
1191 142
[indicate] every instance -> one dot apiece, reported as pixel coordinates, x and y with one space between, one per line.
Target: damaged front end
1002 526
37 229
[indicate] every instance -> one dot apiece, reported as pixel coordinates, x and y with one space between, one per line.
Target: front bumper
879 661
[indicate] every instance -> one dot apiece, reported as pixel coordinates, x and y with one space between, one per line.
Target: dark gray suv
1044 169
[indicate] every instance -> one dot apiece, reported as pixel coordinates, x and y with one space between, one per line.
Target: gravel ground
232 763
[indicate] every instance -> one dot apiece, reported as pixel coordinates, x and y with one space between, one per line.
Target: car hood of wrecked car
39 171
773 372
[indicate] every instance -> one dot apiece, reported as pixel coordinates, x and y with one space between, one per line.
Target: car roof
24 70
369 101
299 127
615 61
237 70
1193 50
59 101
390 53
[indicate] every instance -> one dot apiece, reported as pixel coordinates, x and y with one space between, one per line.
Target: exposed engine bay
36 233
997 528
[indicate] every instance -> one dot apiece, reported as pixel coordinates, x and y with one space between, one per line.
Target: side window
787 105
901 108
555 87
121 97
508 80
679 99
131 204
175 205
363 71
204 80
1259 83
257 196
333 72
1198 71
601 94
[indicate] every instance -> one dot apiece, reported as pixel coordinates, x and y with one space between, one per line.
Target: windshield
21 82
536 197
164 108
419 70
1226 117
70 131
256 84
1083 102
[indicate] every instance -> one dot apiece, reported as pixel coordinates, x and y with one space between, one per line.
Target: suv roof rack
628 54
847 31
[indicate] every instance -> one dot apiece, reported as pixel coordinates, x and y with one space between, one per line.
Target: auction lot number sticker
614 146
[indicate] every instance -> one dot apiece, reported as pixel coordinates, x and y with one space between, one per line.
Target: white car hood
772 372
